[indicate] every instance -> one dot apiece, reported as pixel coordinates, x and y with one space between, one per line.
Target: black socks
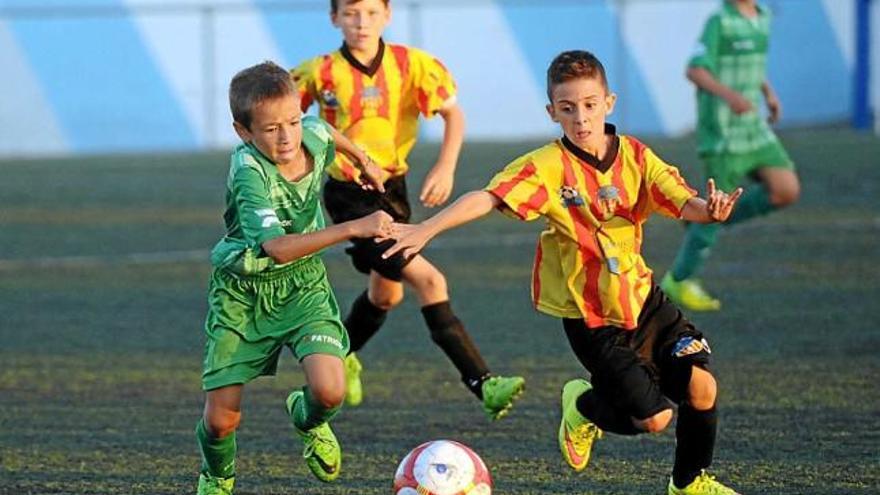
363 321
694 443
449 334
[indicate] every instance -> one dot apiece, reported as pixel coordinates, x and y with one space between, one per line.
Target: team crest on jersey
689 345
329 98
609 200
570 196
371 99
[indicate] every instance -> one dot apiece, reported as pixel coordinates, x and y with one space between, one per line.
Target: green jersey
262 205
734 49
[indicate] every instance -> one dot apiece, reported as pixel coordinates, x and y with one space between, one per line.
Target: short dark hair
253 85
574 64
334 4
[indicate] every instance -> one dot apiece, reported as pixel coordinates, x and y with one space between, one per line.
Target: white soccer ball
442 467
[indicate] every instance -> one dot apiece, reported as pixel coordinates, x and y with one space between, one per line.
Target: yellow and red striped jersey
588 262
377 107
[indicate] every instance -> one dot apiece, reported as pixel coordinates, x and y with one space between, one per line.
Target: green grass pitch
103 271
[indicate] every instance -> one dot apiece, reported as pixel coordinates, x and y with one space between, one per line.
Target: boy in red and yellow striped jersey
595 189
374 93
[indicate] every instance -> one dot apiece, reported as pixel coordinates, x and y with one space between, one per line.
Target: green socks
754 202
309 413
700 238
694 250
218 454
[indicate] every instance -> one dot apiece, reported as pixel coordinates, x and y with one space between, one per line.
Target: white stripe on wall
496 88
243 39
174 42
841 17
28 126
662 46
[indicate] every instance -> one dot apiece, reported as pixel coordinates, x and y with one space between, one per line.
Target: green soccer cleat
320 448
499 392
210 485
689 294
702 485
354 394
576 433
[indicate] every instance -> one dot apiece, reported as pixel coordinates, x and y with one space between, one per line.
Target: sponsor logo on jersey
268 217
570 196
744 44
689 345
329 98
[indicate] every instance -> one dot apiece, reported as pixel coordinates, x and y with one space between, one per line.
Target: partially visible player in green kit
733 138
269 287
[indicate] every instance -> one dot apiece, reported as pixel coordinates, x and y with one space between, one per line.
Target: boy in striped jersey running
373 93
595 189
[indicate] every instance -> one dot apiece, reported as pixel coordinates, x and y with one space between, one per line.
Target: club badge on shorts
689 345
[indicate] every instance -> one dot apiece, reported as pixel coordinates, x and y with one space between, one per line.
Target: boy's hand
371 175
719 204
437 186
376 224
774 107
411 239
739 103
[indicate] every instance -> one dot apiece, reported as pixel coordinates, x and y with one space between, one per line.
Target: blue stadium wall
95 76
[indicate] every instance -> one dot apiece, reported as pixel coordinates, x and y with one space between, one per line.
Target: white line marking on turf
203 255
443 244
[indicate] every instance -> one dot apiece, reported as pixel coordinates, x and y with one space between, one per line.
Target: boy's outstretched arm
287 248
704 80
371 173
715 208
412 238
438 183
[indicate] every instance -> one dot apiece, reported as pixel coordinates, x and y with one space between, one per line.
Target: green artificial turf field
103 271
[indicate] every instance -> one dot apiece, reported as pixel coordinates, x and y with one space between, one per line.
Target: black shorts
645 370
347 201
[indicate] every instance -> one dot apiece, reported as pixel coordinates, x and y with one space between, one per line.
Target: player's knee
222 424
432 286
702 390
328 397
784 192
785 196
386 300
657 422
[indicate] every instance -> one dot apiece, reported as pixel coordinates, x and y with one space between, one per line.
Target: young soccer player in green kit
374 93
269 287
595 189
734 141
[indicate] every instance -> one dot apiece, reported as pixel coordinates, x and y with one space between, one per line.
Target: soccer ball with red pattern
442 467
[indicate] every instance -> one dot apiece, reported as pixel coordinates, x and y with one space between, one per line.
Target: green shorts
729 169
250 318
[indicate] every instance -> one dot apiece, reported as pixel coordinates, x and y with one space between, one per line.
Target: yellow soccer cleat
320 447
354 394
212 485
702 485
576 433
689 294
